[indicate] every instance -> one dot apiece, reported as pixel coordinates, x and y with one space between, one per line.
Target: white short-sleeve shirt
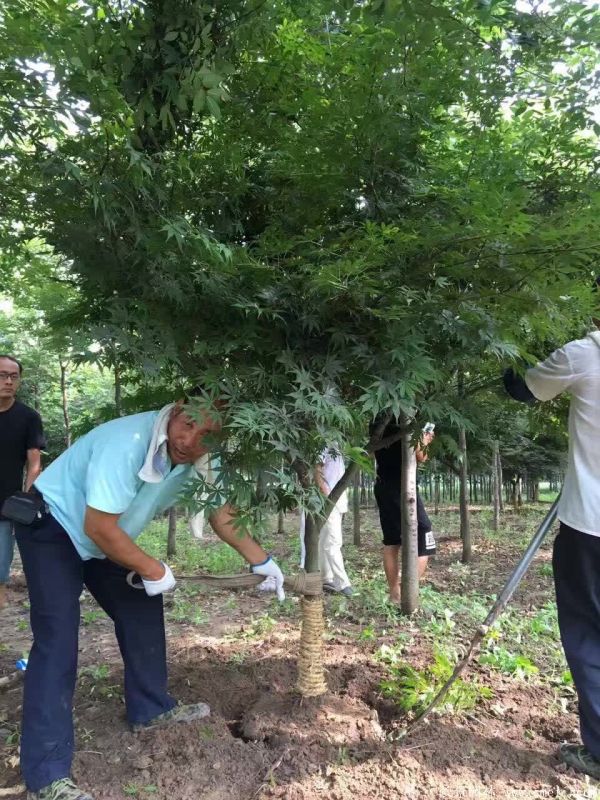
575 368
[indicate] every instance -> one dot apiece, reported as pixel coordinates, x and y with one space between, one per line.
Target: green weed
412 689
368 634
258 628
503 660
371 600
91 616
184 610
286 608
206 732
97 672
96 676
237 658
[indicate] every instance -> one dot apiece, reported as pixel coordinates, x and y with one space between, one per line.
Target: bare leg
391 567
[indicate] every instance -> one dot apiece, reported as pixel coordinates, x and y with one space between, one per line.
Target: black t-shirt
389 459
20 430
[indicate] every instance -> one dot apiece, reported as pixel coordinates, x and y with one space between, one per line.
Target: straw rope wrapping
311 673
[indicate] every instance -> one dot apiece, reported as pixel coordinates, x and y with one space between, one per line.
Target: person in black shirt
21 440
389 502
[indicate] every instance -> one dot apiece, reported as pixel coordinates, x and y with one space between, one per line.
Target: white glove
274 576
164 584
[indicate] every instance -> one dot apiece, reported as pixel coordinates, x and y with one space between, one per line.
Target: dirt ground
262 741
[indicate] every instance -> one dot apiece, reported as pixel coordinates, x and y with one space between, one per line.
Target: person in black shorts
389 501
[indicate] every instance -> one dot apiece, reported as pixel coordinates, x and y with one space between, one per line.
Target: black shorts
388 498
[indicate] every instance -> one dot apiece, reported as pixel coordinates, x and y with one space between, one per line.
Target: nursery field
496 737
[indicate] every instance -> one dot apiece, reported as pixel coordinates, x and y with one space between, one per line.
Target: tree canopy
325 209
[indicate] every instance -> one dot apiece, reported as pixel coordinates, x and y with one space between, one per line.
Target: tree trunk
500 478
118 403
409 601
280 523
65 400
356 509
363 490
172 534
311 672
465 526
496 488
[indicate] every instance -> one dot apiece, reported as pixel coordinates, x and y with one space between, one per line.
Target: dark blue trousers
576 562
56 576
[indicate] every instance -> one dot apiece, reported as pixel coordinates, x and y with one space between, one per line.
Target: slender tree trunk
356 509
436 491
409 601
118 400
465 523
280 523
363 490
172 533
496 488
64 392
311 671
261 484
500 478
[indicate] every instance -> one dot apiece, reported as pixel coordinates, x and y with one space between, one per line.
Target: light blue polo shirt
101 470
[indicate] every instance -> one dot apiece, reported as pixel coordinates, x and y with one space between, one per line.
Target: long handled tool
309 583
498 607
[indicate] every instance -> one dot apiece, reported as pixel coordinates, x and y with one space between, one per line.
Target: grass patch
412 689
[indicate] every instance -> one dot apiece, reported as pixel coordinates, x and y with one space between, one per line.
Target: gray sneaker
580 758
180 713
62 789
347 591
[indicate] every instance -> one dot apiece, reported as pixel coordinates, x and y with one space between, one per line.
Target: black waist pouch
24 507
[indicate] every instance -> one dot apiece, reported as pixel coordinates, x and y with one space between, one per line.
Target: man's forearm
222 522
115 544
31 474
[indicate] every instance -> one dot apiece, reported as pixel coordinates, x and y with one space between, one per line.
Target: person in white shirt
328 472
575 368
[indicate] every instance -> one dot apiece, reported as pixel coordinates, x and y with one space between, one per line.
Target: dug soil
263 741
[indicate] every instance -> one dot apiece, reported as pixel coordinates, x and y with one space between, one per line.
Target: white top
575 368
332 467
